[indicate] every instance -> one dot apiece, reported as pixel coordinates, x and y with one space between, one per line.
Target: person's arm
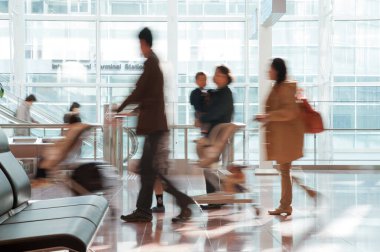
289 108
141 85
192 97
218 108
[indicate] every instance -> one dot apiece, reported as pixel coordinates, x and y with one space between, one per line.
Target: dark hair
74 105
226 71
199 74
74 119
31 98
146 35
280 67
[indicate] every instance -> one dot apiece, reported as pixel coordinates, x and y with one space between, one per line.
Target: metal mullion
191 85
118 18
210 19
49 17
98 63
287 18
246 75
354 19
4 16
59 85
117 85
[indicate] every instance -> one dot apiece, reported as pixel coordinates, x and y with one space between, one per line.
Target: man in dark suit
152 123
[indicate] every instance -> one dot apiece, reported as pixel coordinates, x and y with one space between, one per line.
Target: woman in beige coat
284 130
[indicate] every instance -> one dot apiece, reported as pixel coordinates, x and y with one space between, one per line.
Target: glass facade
87 51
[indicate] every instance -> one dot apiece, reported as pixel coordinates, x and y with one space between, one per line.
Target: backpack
311 118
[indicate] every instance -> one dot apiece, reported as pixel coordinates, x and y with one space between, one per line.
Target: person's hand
114 108
263 118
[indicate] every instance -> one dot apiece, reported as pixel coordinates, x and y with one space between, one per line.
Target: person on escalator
219 110
73 115
23 113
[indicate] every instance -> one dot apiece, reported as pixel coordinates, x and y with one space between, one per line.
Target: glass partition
60 52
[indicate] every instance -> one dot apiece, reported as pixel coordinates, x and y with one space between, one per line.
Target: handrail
185 133
11 118
56 126
187 126
35 110
40 125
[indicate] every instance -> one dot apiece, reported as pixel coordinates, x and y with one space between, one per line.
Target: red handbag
311 118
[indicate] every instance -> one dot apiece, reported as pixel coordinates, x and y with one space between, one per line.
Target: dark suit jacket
220 107
149 95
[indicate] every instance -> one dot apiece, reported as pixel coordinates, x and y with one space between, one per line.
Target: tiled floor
345 219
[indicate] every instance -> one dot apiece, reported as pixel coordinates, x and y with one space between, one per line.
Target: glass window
343 117
56 101
368 94
297 42
134 7
344 94
4 6
82 7
211 7
302 7
204 45
368 117
368 48
357 8
60 51
368 8
5 52
121 58
344 8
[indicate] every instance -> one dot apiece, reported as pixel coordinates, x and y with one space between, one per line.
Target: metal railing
319 149
61 127
331 147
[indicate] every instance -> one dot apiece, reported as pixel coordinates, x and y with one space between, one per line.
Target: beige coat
284 129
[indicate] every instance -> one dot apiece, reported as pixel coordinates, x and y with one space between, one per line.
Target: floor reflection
346 218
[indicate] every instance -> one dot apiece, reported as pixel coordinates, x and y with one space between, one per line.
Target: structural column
265 53
17 18
171 73
325 78
171 66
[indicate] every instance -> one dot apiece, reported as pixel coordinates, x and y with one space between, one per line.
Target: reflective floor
345 218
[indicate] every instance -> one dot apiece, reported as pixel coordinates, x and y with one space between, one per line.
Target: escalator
10 102
9 105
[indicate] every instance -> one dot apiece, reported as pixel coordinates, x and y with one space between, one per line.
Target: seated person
219 110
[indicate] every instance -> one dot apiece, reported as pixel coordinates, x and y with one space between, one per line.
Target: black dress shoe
137 216
158 209
183 216
211 206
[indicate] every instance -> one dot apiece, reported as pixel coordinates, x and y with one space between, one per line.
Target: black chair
69 223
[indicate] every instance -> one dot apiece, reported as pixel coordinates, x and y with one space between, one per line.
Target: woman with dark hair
219 110
284 130
220 107
73 116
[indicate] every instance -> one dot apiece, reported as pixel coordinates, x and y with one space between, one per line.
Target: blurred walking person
284 131
152 123
219 109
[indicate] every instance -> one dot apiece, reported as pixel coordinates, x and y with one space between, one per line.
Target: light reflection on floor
347 218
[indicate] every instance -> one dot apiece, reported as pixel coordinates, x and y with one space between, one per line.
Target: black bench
63 223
